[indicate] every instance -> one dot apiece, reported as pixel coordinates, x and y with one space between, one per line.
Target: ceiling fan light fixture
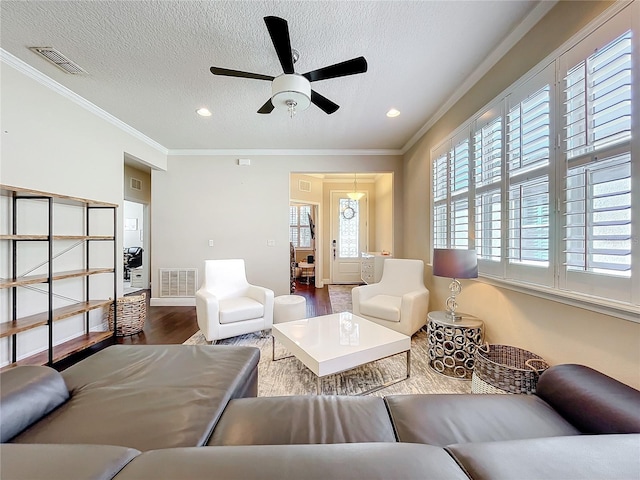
291 92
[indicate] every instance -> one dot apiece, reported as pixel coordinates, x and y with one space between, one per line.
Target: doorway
348 236
375 219
135 268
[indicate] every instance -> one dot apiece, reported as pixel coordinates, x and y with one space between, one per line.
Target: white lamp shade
291 87
355 195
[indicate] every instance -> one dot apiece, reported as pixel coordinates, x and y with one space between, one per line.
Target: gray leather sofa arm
27 394
591 401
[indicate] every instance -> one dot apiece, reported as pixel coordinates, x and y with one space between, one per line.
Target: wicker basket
132 312
506 369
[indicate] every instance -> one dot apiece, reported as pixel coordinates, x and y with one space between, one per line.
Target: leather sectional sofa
182 412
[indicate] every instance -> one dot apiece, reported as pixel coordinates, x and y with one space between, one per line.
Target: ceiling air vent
304 185
136 184
58 59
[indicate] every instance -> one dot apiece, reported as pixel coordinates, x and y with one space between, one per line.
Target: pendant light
355 195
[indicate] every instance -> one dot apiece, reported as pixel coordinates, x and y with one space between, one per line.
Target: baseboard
173 302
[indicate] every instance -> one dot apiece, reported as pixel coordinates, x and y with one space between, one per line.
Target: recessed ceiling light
393 113
203 112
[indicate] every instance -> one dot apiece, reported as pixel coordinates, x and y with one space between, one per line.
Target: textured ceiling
148 64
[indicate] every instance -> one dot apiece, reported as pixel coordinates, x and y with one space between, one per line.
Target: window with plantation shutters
299 228
528 166
528 231
459 164
488 224
544 183
597 172
598 217
459 187
597 99
487 176
460 223
440 201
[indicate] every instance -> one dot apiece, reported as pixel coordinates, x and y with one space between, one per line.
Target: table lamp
455 264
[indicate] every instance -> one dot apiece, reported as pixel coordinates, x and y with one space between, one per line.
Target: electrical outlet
211 243
271 243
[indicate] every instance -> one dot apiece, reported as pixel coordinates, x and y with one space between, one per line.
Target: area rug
291 377
340 298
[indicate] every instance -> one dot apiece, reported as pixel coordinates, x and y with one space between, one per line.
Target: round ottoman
289 307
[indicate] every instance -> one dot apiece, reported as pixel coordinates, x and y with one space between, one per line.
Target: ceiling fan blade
349 67
267 107
279 32
323 103
237 73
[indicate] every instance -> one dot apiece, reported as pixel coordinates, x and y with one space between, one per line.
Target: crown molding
280 152
26 69
538 12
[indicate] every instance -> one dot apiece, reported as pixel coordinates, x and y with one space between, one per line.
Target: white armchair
400 300
227 305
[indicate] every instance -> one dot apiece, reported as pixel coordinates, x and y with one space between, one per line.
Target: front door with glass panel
348 237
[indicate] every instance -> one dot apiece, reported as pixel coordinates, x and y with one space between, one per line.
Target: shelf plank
36 193
24 237
39 319
64 350
42 278
78 344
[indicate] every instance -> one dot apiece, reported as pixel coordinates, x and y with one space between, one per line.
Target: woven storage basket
132 312
506 369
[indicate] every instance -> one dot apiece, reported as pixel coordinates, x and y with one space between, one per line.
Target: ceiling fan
291 91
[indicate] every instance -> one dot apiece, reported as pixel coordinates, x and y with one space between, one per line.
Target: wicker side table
452 344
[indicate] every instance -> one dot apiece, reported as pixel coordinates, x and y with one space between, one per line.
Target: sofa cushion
579 457
64 462
28 393
303 419
446 419
386 307
148 396
355 461
237 309
592 401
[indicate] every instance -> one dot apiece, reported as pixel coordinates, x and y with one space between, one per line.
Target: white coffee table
335 343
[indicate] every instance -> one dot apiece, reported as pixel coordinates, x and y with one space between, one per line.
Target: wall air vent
304 185
58 59
135 184
178 282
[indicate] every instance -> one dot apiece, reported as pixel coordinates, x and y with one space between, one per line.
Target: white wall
384 240
51 143
557 332
202 198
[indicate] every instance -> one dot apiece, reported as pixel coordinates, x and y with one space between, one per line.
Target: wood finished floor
173 325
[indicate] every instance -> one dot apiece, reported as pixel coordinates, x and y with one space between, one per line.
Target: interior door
348 237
